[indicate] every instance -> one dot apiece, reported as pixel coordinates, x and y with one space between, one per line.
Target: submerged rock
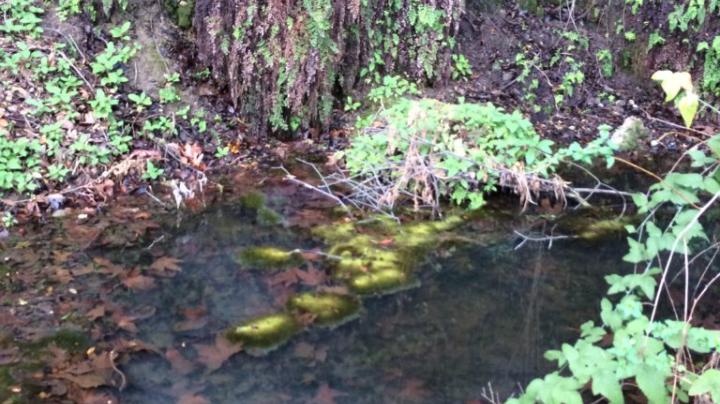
329 309
265 333
382 282
268 258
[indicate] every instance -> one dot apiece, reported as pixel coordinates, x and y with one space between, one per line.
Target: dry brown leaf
137 281
213 356
178 362
166 266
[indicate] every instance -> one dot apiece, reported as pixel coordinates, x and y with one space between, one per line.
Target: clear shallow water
484 313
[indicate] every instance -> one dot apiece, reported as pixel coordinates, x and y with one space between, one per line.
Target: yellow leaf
688 107
662 75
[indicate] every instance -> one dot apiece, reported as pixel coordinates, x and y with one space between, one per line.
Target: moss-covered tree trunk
285 62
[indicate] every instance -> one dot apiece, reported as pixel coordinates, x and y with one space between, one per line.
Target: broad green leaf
707 383
688 107
606 384
652 384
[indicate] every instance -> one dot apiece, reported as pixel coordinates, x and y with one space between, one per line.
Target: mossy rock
266 332
268 258
382 282
329 309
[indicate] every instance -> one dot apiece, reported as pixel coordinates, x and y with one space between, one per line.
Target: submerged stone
329 309
629 135
185 10
266 332
382 282
268 258
603 229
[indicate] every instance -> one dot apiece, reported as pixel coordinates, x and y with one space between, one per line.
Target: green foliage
634 5
107 64
461 67
711 72
628 344
605 59
691 14
20 17
140 100
572 78
471 146
630 36
152 173
654 40
392 87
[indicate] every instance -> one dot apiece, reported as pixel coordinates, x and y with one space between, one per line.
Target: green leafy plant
141 101
605 59
102 104
470 147
633 347
654 40
152 172
392 87
711 71
461 67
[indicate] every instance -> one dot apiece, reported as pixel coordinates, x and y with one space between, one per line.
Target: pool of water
483 316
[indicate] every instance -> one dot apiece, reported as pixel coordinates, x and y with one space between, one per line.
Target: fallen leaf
137 281
284 278
195 318
304 350
311 277
166 266
178 362
192 398
213 356
97 312
413 390
326 395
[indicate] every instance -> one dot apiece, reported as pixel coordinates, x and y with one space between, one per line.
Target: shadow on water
484 313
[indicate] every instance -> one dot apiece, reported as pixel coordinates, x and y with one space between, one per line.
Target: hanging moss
283 62
328 309
267 332
267 258
382 282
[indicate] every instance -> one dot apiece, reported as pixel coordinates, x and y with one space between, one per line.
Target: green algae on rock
268 258
267 217
382 282
329 309
266 332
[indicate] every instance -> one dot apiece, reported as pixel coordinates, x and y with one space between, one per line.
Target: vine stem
680 236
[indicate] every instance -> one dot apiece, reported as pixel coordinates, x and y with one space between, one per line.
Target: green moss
336 233
267 332
381 282
268 217
603 229
252 200
185 9
329 309
267 258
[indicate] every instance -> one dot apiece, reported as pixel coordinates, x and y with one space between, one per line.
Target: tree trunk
285 62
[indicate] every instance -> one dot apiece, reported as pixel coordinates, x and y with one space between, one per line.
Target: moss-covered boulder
266 332
328 309
267 258
382 282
